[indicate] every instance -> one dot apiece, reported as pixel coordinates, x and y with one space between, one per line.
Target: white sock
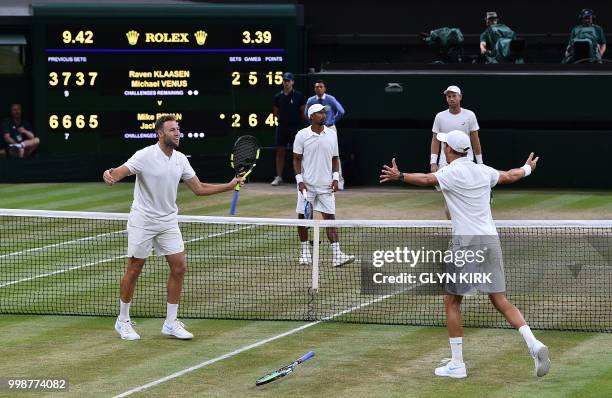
527 334
172 312
124 311
305 249
456 344
336 249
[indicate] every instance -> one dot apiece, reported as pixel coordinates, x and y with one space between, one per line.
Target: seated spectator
587 41
17 133
447 42
498 42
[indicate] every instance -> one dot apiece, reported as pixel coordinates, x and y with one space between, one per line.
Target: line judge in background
288 107
316 165
335 112
153 220
466 188
454 118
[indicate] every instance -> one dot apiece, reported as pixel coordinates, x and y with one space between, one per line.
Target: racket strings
244 154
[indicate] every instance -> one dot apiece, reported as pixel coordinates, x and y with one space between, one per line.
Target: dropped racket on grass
284 371
243 160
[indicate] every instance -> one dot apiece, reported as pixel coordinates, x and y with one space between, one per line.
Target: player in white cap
466 187
316 164
454 118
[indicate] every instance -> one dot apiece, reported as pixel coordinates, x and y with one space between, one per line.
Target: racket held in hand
308 210
243 160
284 371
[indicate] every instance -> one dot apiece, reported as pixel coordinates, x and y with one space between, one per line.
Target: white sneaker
342 259
451 369
305 259
539 353
176 328
276 181
126 330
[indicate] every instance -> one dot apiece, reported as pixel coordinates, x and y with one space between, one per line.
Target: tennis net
559 273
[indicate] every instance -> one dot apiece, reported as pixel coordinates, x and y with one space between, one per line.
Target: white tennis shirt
445 122
157 179
467 188
317 151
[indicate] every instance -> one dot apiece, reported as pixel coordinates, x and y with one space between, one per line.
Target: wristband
433 159
401 177
527 169
478 158
299 178
336 176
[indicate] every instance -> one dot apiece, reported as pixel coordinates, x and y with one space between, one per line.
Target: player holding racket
316 164
153 220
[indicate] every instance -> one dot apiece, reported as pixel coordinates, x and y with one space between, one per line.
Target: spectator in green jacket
588 32
495 40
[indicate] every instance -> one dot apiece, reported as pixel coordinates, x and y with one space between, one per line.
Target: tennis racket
308 210
243 159
308 213
284 371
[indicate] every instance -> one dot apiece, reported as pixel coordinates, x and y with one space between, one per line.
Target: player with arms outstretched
153 220
466 187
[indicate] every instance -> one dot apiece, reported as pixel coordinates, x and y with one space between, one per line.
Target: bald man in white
153 220
466 187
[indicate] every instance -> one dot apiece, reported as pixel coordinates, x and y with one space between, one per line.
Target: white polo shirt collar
461 160
161 152
312 132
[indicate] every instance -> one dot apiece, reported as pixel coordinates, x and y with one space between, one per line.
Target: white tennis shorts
321 202
166 241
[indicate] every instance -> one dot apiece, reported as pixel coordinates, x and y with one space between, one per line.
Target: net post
315 255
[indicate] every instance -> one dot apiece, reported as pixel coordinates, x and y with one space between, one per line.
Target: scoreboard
103 74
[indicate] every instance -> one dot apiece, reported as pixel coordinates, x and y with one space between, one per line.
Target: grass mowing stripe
590 202
347 355
90 200
35 249
46 196
257 344
61 271
106 260
571 369
214 360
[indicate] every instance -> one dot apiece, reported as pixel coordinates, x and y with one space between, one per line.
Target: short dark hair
159 123
320 81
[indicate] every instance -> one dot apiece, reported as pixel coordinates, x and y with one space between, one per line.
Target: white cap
453 89
316 108
455 139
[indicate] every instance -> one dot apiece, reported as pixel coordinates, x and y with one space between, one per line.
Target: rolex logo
200 36
132 37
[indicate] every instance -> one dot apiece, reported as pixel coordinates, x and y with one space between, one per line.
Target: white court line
257 344
35 249
61 271
106 260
